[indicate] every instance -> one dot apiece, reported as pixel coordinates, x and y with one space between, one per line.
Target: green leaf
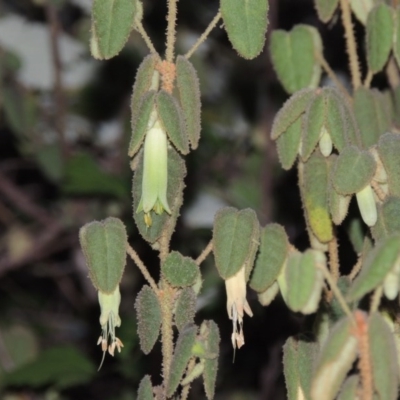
149 318
293 57
185 308
379 262
298 359
271 257
62 367
246 24
104 247
211 365
163 224
143 122
388 218
383 356
389 150
84 176
396 36
350 388
304 282
361 9
145 391
326 9
288 144
235 239
334 362
353 170
112 21
313 182
295 106
182 355
265 298
190 99
180 271
379 36
372 116
171 117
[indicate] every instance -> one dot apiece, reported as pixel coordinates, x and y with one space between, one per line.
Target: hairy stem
208 249
333 76
139 27
336 291
136 259
166 296
204 36
368 79
171 30
334 258
356 269
376 299
378 191
186 388
351 44
392 73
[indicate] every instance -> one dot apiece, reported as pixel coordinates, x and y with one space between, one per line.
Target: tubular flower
109 320
155 173
237 305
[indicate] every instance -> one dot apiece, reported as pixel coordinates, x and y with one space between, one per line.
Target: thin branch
334 258
333 76
186 388
379 192
52 17
392 73
171 30
204 36
356 269
351 44
336 291
368 79
140 28
136 259
376 299
208 249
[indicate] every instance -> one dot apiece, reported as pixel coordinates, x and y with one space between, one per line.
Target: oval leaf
145 391
104 247
246 24
185 308
389 150
180 271
326 9
211 364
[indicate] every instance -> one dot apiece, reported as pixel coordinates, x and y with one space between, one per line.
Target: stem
166 297
333 76
136 259
356 269
186 388
351 44
204 36
205 253
376 299
334 258
368 79
364 363
139 27
379 192
392 73
171 29
336 291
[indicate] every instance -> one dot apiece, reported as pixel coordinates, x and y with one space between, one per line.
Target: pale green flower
155 173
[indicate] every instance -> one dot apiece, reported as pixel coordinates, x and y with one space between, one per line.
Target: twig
356 269
379 192
136 259
186 388
336 291
368 79
351 44
376 299
208 249
140 28
334 258
20 200
392 73
171 30
51 14
204 36
333 76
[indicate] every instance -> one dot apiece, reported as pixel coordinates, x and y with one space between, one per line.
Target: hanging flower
237 305
155 173
109 320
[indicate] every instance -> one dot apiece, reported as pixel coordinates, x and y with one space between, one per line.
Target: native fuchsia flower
109 320
155 173
237 305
